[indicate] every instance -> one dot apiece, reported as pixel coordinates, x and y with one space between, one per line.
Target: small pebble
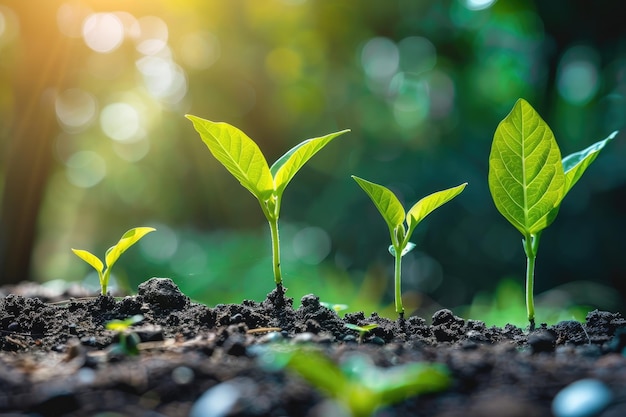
271 337
305 337
583 398
217 401
182 375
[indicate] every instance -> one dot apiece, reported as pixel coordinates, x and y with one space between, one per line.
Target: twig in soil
264 330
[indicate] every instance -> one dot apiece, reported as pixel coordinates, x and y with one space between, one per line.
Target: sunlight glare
163 78
70 18
120 122
150 34
103 32
75 109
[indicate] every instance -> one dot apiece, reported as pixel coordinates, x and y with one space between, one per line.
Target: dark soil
57 358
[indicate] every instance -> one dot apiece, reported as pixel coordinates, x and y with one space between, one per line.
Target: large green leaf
238 153
575 164
290 163
385 201
526 177
426 205
90 258
128 239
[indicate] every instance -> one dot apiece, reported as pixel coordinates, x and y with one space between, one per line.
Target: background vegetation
94 142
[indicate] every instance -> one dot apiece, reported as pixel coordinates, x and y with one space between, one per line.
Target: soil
58 359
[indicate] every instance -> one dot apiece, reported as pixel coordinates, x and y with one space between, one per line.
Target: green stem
397 282
275 250
530 247
104 281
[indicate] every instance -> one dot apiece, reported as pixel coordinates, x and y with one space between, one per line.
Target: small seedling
242 157
363 330
358 384
335 307
128 341
528 179
112 254
392 211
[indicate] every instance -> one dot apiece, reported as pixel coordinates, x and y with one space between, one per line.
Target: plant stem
397 282
530 247
104 281
275 250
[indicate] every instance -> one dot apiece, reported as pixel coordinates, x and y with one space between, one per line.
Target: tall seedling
392 211
244 160
528 179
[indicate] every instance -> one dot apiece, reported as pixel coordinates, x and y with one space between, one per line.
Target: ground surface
57 358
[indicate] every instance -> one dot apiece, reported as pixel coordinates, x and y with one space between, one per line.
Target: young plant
363 330
127 340
112 254
393 213
335 307
357 384
241 156
528 179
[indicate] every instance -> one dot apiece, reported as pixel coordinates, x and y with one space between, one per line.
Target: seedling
357 383
128 341
363 330
393 213
335 307
242 157
112 254
528 179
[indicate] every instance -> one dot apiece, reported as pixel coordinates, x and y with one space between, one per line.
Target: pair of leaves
393 212
527 177
242 157
112 254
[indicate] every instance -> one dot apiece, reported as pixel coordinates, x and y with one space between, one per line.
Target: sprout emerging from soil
242 157
112 254
393 213
363 330
528 179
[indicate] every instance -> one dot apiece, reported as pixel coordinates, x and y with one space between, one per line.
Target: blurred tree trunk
43 58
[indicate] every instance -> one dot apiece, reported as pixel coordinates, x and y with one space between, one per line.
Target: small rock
162 292
217 401
583 398
305 337
271 337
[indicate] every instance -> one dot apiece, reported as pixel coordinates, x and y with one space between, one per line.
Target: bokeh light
85 169
103 32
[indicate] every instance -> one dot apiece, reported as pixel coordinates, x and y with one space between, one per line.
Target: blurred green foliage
421 84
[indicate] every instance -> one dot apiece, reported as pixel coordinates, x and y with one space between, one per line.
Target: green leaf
428 204
90 258
403 381
121 325
365 328
575 164
239 154
128 239
284 169
319 371
526 177
385 201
